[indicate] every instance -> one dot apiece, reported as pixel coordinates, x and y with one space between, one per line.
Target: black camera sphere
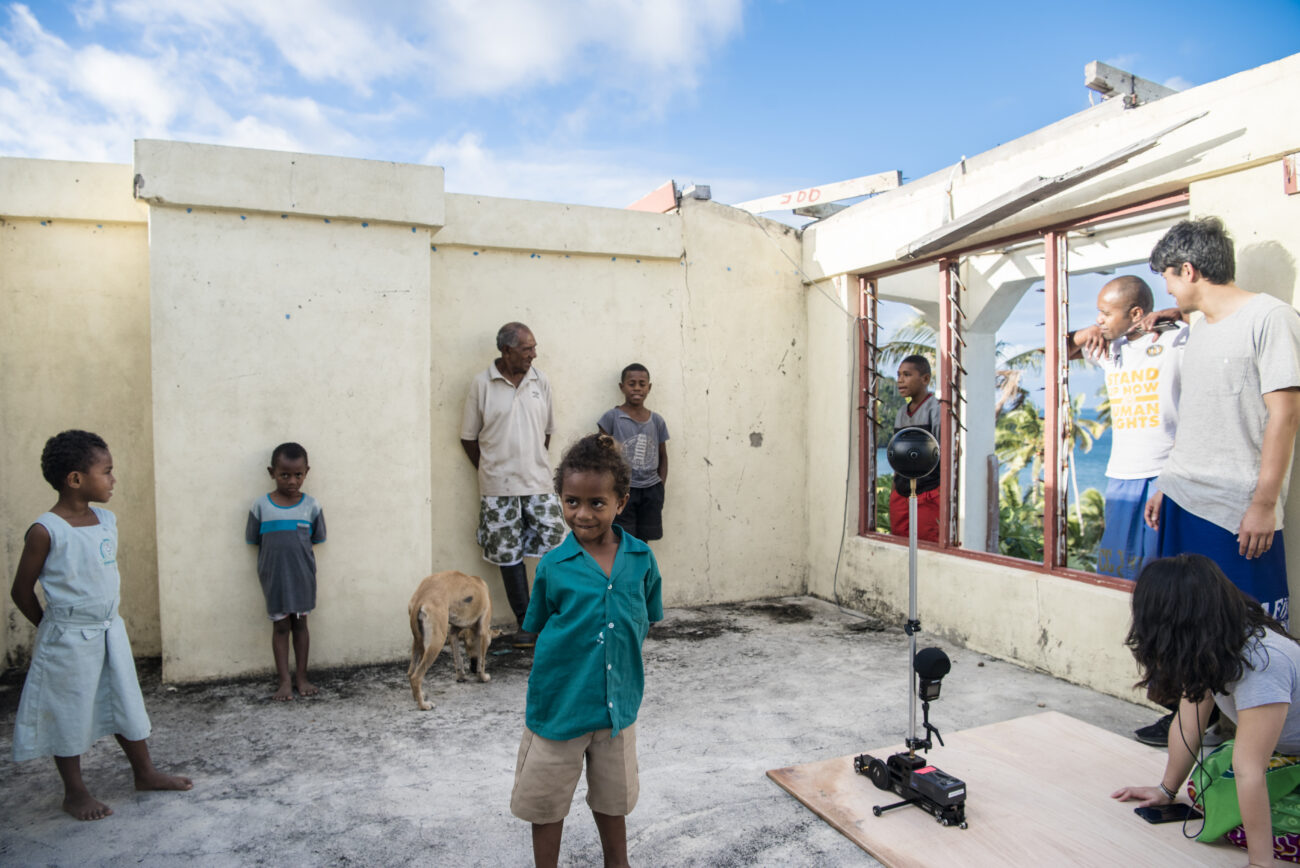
913 452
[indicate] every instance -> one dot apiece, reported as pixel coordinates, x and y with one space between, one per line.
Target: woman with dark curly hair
1200 641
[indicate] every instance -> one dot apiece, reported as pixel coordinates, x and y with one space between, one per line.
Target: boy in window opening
922 411
1221 492
1142 382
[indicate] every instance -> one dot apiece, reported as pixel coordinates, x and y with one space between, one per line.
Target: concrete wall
1229 160
346 304
706 300
357 335
269 326
74 353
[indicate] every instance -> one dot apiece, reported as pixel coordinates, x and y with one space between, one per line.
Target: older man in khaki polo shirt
506 431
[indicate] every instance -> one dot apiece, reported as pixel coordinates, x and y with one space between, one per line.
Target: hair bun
607 442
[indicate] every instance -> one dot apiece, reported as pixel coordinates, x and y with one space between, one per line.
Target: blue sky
597 101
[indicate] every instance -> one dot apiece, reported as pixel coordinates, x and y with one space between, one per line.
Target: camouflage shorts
513 528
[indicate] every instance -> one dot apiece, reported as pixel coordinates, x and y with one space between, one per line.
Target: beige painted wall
265 330
74 353
386 324
720 332
257 319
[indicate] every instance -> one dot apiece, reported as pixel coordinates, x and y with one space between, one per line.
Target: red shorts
927 515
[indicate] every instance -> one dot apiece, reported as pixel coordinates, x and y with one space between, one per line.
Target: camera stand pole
913 452
913 626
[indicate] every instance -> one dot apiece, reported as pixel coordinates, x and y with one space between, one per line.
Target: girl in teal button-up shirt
594 598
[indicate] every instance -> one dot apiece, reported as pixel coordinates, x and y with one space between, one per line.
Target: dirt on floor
359 776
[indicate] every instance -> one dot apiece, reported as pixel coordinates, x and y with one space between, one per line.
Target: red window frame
1056 301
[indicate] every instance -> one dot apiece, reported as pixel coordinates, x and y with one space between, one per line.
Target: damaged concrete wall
346 304
74 353
359 336
704 299
273 322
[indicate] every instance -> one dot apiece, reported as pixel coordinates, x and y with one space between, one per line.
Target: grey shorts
512 528
547 772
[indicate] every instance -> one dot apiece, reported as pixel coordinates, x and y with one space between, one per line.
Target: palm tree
1083 531
1020 521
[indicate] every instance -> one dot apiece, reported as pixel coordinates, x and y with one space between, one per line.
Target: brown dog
448 603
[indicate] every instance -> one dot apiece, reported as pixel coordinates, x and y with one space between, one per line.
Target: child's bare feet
285 693
156 780
84 806
305 687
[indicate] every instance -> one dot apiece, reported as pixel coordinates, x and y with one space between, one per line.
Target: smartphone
1175 812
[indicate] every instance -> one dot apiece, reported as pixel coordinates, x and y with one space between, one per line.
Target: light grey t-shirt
639 441
511 425
1228 367
1271 675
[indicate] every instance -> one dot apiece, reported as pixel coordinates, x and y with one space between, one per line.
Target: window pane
1002 509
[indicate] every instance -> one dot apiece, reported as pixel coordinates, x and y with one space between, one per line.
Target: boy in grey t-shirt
284 525
642 435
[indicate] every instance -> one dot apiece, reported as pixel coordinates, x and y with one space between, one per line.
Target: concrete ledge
518 224
55 189
186 174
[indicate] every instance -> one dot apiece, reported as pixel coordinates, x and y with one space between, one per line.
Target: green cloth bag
1216 787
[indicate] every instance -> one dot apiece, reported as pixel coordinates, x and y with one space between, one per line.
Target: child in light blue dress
81 684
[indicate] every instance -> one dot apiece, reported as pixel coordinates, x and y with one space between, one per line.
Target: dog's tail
424 623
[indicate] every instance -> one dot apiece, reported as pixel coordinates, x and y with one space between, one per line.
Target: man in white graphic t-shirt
1143 382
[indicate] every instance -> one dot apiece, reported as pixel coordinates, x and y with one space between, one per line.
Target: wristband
1169 794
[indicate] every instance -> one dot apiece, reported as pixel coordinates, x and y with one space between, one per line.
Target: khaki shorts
547 772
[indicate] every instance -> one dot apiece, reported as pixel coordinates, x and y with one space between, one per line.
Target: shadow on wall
1267 267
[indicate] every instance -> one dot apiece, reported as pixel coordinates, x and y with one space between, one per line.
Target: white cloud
376 80
609 178
127 86
647 48
1177 82
545 174
456 48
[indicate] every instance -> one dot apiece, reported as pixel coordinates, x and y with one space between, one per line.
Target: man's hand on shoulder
1156 317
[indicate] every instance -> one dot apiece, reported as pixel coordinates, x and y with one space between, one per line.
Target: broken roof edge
1244 128
176 174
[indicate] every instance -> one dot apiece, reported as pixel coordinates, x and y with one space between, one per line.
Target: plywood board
1038 794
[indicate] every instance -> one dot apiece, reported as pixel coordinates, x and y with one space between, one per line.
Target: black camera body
917 783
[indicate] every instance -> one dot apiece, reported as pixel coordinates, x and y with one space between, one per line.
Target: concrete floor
359 776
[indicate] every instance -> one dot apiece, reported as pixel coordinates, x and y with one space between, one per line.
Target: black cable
1198 764
848 467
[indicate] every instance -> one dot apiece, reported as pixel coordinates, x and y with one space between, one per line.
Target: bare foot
156 780
84 806
285 693
306 688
